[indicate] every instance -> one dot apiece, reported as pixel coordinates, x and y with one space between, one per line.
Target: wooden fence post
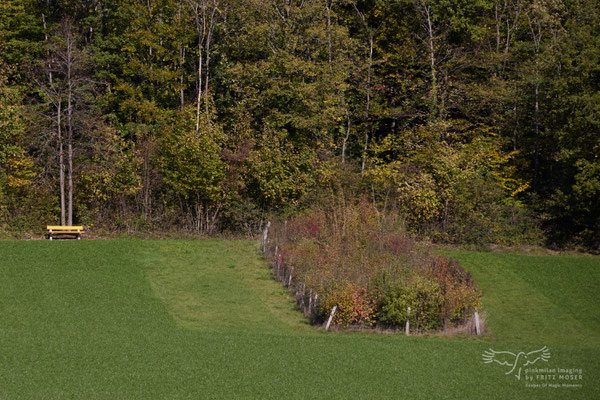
330 317
265 234
407 329
278 267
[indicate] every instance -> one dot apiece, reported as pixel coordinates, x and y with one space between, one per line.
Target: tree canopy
478 120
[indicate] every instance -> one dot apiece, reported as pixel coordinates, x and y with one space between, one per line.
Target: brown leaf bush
363 261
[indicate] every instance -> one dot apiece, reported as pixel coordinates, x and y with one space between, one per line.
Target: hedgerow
363 262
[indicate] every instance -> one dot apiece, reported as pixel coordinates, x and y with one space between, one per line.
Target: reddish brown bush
361 260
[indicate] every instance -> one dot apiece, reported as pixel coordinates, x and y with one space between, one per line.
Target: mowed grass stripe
539 299
127 319
219 285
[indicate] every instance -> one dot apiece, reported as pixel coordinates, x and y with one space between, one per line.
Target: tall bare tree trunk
205 19
368 106
200 16
370 34
536 37
516 127
199 99
344 143
181 77
146 181
70 49
49 65
536 157
181 63
61 163
207 51
328 5
70 176
498 19
426 9
59 123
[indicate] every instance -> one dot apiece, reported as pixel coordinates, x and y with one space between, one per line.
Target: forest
476 121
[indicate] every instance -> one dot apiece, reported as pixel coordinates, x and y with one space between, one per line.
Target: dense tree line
477 120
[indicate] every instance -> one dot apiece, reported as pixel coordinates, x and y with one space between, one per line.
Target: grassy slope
178 319
547 299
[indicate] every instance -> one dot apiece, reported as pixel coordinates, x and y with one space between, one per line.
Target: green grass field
141 319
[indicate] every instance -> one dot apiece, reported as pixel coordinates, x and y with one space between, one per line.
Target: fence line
284 274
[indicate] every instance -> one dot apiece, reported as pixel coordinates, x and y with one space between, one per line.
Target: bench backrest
57 228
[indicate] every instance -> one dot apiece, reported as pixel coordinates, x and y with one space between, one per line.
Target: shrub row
362 261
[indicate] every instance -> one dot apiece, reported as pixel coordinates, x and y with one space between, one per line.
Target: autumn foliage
362 261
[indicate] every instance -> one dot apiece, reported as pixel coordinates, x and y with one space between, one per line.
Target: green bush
423 296
340 251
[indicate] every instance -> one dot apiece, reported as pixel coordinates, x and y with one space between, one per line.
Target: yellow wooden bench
64 230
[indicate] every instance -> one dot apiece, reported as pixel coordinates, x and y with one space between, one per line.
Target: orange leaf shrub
363 262
355 306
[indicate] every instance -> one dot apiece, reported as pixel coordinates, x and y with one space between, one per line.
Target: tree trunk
344 143
536 36
434 88
368 106
370 34
61 164
498 19
207 51
181 77
200 16
516 129
181 63
328 5
70 125
146 183
536 157
49 65
199 99
59 122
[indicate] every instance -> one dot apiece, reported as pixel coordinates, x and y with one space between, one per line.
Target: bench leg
49 237
78 237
